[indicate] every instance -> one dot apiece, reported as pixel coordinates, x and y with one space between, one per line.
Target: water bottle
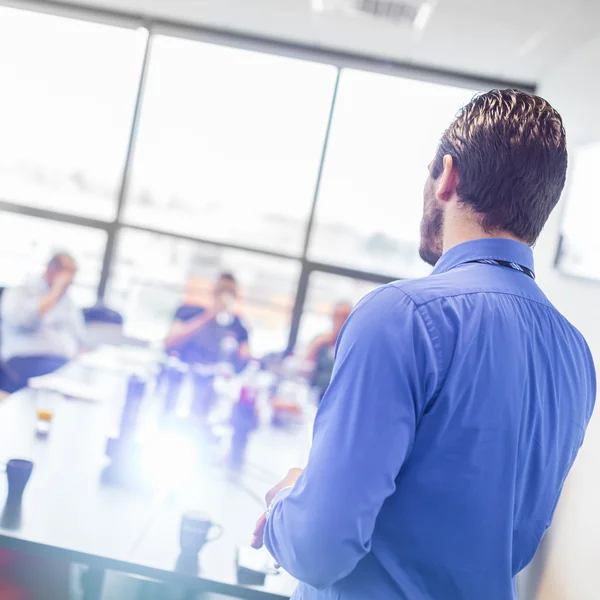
136 390
244 418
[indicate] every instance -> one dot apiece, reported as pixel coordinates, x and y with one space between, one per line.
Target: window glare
384 134
224 171
68 92
229 144
581 245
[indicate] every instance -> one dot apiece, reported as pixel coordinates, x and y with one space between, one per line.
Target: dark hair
227 277
56 262
509 148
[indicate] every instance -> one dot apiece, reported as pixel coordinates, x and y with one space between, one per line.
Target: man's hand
288 481
62 280
259 530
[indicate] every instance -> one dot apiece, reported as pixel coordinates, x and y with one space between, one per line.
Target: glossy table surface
68 512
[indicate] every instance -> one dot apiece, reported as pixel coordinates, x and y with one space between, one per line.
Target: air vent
410 13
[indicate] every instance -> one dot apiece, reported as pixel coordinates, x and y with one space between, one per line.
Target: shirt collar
485 248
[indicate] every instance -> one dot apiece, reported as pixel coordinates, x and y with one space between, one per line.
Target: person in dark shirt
321 350
210 335
207 335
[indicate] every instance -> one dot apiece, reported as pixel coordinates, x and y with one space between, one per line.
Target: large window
302 178
27 243
581 244
153 274
66 106
229 144
384 134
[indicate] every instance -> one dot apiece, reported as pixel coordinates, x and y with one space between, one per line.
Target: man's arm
183 331
385 371
50 298
24 307
243 336
20 309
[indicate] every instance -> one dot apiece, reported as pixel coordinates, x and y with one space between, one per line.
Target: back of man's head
509 149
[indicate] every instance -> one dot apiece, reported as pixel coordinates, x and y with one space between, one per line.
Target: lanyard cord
505 263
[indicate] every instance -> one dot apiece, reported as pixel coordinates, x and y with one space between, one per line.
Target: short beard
432 225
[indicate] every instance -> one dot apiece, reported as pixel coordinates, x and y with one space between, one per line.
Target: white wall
573 567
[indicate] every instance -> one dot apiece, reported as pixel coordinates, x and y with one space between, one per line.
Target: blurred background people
321 351
205 336
42 329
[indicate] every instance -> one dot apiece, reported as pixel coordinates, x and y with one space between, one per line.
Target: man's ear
447 182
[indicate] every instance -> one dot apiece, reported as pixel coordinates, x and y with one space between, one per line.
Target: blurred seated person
207 335
321 351
42 329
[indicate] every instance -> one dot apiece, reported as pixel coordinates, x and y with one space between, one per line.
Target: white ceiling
510 39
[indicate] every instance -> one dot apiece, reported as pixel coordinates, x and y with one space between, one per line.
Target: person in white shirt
42 329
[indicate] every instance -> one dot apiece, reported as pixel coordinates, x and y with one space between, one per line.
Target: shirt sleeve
21 308
385 371
187 312
242 331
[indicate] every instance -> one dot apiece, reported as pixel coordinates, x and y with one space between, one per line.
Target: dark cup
11 515
18 472
196 530
188 564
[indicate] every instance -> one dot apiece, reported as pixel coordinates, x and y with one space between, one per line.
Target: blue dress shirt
457 405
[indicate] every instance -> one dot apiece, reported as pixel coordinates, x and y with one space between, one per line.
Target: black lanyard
505 263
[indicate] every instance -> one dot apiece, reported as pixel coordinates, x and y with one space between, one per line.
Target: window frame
339 59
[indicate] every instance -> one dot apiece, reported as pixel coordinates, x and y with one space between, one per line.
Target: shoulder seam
499 292
430 333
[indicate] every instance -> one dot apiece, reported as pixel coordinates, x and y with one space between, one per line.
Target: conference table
68 513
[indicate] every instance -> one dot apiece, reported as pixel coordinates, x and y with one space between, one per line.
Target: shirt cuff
284 493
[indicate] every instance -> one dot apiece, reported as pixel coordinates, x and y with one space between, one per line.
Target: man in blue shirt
459 401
